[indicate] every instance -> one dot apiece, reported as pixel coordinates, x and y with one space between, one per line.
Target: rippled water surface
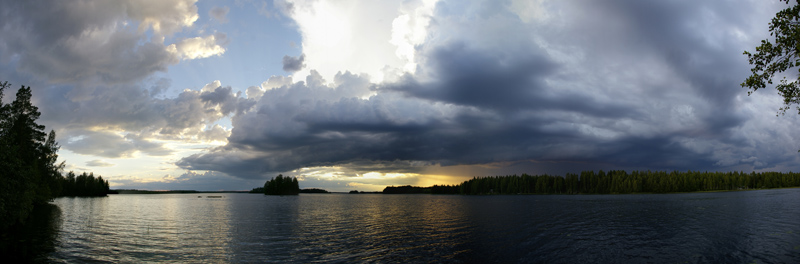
729 227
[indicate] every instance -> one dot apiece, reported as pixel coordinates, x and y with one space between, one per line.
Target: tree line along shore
29 174
586 182
612 182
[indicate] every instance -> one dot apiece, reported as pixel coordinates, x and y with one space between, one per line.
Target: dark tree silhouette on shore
313 190
83 185
29 174
619 181
27 159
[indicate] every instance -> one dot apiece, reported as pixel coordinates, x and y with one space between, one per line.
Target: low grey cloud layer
208 181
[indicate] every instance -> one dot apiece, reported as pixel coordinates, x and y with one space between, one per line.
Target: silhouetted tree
282 186
27 158
30 175
84 184
619 181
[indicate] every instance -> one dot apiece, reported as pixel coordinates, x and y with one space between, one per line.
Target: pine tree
23 158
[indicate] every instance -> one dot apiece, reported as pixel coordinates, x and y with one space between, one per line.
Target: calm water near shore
728 227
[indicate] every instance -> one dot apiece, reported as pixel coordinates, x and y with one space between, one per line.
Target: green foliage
282 186
774 58
618 182
257 190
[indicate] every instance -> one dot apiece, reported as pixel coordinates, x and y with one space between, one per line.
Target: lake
760 226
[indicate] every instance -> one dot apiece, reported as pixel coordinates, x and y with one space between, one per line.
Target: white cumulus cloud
200 47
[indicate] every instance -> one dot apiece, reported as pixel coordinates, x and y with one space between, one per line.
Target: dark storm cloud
313 125
621 84
695 40
293 64
499 83
698 45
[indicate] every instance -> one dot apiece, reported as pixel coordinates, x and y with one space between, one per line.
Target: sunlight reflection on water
737 227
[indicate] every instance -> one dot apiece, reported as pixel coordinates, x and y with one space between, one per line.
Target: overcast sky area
359 95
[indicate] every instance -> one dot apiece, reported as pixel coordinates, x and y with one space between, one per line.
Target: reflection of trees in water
35 240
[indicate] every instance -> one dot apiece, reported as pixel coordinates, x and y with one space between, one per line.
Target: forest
621 182
30 175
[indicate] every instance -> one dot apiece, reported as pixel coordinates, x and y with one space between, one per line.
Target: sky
359 95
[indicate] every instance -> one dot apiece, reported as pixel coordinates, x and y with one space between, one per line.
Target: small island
282 186
360 192
314 190
309 190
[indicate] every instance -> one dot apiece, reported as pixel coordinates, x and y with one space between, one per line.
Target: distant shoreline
487 194
713 191
129 191
493 194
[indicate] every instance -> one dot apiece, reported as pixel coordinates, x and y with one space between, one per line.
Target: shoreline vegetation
31 177
361 192
136 191
611 182
587 182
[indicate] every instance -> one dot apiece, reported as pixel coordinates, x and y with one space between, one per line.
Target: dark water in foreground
730 227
